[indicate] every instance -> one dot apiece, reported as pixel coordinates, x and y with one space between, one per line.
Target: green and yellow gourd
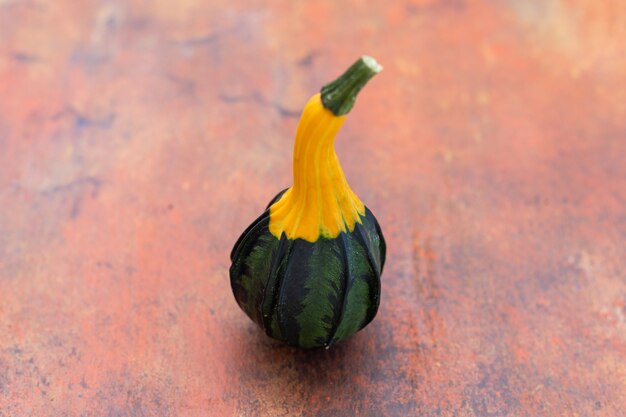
308 269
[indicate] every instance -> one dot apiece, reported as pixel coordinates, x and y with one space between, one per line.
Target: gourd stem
338 96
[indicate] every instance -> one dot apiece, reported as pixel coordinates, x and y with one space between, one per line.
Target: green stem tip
338 96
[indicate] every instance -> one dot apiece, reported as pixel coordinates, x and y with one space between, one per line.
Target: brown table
138 139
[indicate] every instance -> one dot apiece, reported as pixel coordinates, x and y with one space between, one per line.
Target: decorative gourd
308 269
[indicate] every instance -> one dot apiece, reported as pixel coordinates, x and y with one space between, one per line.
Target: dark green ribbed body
309 294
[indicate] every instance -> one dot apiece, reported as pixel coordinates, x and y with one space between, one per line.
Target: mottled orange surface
138 139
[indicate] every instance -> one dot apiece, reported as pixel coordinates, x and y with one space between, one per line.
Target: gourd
307 270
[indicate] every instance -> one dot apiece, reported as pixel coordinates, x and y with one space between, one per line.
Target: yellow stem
320 202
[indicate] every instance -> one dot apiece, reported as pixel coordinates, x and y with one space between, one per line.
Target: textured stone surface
138 139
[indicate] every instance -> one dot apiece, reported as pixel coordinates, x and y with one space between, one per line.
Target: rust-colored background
138 139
